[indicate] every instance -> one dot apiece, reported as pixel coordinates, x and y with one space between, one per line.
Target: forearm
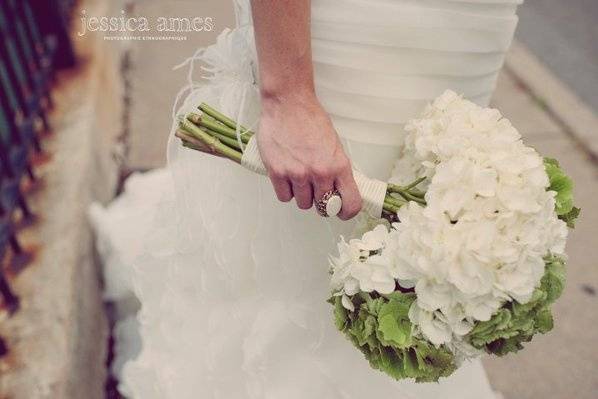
282 33
297 142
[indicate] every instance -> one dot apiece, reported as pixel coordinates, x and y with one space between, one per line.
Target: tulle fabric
227 297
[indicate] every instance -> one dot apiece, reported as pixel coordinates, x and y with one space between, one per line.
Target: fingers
304 195
307 185
345 184
322 183
282 187
294 183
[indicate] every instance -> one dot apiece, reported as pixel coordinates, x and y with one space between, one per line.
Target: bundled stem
211 142
215 126
225 120
215 133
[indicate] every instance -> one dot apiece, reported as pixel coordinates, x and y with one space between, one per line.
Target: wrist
293 82
292 94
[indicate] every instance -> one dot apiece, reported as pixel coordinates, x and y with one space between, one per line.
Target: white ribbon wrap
372 191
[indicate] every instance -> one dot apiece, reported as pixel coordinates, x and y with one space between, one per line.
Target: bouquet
467 254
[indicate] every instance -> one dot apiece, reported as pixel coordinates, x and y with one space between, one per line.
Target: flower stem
394 201
214 126
408 192
223 119
391 208
393 188
211 142
415 183
417 193
191 142
233 143
195 144
188 144
409 197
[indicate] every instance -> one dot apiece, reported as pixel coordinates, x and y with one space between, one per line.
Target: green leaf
380 328
394 324
340 313
562 185
551 162
393 332
545 321
553 281
570 217
434 362
403 297
517 323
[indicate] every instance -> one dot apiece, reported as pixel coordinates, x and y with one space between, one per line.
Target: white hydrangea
482 237
365 264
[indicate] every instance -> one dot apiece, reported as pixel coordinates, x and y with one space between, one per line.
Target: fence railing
34 42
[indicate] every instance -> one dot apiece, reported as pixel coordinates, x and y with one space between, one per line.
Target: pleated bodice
378 62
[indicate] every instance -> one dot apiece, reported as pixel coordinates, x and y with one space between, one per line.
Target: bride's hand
303 154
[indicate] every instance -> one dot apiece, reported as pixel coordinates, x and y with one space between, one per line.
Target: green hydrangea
563 186
381 329
516 323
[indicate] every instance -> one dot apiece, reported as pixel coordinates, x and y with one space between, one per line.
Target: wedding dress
232 285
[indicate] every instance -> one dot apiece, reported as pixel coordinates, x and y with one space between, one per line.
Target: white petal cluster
481 239
366 264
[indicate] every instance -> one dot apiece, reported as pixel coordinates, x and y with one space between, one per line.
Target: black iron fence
34 43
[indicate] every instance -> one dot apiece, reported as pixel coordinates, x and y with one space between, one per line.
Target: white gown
232 284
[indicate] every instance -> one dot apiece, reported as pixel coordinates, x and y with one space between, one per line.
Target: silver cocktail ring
330 204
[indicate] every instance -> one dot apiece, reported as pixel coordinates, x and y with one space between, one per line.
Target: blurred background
83 107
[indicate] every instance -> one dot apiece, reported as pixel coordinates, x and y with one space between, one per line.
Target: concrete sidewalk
58 339
559 365
563 363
